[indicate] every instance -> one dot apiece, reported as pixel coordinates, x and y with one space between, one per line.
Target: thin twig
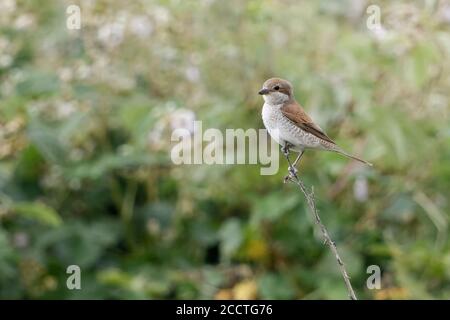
326 237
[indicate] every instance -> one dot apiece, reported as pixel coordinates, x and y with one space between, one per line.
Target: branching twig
326 237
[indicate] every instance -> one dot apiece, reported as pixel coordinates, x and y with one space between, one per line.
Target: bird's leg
285 148
298 159
292 170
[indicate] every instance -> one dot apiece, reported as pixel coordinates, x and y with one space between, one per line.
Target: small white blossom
7 6
23 21
65 109
83 71
361 189
182 119
155 136
141 26
76 154
4 44
65 74
192 73
5 60
381 34
21 240
111 34
445 13
161 15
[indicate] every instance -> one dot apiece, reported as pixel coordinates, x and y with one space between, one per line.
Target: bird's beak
263 91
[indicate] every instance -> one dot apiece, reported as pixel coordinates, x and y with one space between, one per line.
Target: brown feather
294 112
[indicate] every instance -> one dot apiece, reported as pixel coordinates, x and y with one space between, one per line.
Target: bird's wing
294 112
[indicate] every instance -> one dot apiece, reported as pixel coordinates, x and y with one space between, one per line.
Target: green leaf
38 211
7 269
106 163
38 84
231 237
275 286
84 243
273 206
46 141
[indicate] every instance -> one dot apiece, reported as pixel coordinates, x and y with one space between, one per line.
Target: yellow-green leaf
39 212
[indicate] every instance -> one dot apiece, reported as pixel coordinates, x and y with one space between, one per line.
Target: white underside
282 130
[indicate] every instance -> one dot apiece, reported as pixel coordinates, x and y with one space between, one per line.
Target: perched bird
289 125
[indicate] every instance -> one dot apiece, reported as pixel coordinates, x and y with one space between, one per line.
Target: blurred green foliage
86 177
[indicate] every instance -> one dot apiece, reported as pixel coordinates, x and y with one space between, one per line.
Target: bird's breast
281 129
271 116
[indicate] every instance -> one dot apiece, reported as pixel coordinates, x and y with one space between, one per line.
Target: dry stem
326 237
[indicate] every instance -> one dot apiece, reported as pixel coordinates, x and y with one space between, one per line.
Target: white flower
168 53
65 74
21 239
65 109
76 154
23 21
83 71
182 119
7 6
153 226
123 83
360 189
155 136
111 34
141 26
7 86
381 34
161 15
4 44
192 73
5 60
445 13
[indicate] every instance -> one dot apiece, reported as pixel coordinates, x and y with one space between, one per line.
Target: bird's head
276 91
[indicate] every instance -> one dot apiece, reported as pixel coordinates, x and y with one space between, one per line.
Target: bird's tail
340 151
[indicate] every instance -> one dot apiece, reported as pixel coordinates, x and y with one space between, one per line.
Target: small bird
290 126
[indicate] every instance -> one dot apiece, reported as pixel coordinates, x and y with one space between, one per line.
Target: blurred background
86 177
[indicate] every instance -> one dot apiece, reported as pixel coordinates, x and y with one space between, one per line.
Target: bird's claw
285 149
292 174
293 171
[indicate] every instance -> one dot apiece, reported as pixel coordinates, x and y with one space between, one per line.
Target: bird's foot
292 174
293 171
285 148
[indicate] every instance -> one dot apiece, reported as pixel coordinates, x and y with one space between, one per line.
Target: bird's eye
277 88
